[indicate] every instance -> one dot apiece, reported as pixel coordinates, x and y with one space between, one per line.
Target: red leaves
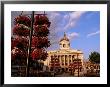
55 62
40 42
17 53
41 31
39 37
21 30
39 54
22 20
75 64
19 42
41 20
71 65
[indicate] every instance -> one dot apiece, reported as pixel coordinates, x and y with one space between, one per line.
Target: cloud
61 23
73 17
77 14
66 16
94 33
72 35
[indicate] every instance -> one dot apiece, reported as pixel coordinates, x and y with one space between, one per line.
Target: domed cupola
64 42
64 38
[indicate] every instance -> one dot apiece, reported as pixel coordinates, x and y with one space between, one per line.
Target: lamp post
30 39
29 48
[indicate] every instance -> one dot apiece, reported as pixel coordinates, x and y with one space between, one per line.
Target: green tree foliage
94 57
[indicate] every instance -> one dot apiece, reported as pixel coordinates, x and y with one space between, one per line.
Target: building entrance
63 69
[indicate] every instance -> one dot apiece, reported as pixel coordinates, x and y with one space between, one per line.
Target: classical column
78 64
82 59
49 63
60 60
75 56
71 59
64 59
68 59
48 60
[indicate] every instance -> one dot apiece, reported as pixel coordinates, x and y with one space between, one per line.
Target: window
69 60
51 56
69 56
64 45
73 56
69 69
65 63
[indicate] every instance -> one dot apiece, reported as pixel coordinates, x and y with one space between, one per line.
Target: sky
81 27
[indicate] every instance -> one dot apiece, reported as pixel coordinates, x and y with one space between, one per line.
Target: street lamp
30 39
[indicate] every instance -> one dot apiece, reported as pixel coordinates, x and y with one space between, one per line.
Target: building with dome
65 58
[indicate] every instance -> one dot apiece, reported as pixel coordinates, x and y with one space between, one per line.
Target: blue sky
81 27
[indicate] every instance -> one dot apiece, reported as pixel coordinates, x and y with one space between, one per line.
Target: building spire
64 37
64 34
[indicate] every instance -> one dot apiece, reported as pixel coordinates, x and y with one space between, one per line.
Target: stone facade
64 56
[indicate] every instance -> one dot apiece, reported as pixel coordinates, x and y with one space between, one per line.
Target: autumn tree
21 37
